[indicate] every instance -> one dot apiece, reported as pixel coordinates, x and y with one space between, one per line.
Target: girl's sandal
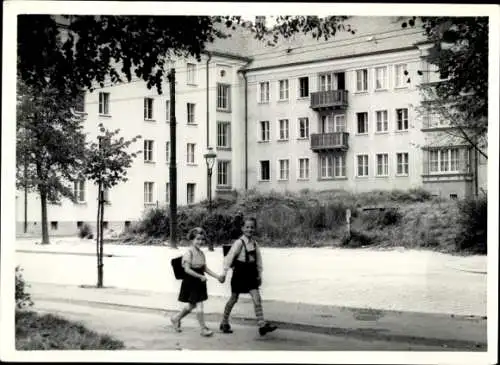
176 325
206 332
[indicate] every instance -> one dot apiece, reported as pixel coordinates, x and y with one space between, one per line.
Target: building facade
338 114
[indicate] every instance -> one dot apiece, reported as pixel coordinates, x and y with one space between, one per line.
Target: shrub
85 231
473 225
358 239
155 223
50 332
23 298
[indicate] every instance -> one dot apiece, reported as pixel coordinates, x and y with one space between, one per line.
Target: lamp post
210 160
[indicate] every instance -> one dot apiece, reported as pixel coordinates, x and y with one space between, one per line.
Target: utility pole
173 167
25 193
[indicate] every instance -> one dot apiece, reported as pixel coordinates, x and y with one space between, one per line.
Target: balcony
331 99
329 141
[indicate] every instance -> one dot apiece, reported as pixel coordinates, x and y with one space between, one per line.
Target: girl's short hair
196 231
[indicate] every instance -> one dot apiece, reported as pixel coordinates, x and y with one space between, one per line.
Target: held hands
203 278
222 278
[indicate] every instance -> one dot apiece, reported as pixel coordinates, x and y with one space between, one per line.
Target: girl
194 287
246 260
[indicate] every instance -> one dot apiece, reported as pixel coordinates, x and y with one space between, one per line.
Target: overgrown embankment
411 219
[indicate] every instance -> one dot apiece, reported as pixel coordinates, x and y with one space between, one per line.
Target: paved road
400 280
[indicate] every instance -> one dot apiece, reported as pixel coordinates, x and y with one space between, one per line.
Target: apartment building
338 114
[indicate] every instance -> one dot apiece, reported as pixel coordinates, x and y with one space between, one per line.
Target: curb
69 253
359 333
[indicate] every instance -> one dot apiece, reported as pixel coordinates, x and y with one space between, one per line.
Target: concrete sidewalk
146 330
467 333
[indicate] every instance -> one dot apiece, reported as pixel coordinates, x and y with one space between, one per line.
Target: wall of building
391 142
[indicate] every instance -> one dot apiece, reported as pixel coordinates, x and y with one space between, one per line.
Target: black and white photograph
250 182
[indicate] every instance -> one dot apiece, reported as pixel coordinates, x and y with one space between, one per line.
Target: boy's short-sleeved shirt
194 257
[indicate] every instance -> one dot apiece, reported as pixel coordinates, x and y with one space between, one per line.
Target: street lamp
210 160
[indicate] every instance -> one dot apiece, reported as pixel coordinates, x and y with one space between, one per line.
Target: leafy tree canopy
91 47
460 51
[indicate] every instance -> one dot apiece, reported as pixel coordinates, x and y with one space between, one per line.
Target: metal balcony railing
332 99
329 141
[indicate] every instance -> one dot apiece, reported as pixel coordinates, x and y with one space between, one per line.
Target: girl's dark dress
193 290
245 274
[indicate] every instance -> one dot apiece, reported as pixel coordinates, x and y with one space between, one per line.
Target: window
80 102
453 196
105 224
339 165
303 168
190 153
380 78
79 191
362 161
332 123
148 108
284 168
362 80
148 192
264 92
339 123
325 82
167 152
167 111
303 127
326 166
382 164
264 131
402 163
223 173
79 224
223 134
332 81
223 97
434 161
190 113
445 160
283 128
283 86
148 150
191 74
190 193
332 166
402 119
362 123
303 87
265 171
382 124
104 103
400 77
127 224
167 192
53 225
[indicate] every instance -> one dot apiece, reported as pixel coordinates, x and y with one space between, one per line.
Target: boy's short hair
196 231
249 219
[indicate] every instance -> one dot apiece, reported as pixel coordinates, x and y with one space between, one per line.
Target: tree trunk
45 230
101 266
98 239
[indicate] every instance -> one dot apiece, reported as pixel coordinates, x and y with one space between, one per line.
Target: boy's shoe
176 324
267 328
225 328
206 332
